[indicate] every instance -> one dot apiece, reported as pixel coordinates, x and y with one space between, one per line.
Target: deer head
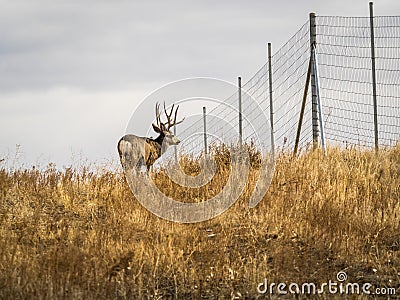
166 137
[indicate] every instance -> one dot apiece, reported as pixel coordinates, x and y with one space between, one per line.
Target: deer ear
156 128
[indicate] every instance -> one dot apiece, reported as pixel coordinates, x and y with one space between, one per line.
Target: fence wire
344 51
345 77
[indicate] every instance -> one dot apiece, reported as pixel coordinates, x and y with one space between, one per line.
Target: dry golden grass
79 234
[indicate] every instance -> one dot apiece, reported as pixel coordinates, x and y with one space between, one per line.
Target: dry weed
77 234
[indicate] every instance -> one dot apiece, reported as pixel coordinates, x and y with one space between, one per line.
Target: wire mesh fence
346 90
345 62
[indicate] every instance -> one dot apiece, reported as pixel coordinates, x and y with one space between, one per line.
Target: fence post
271 107
240 109
314 101
205 130
371 18
175 148
303 105
320 118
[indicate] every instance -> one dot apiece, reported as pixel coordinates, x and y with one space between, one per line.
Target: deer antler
169 115
159 124
170 123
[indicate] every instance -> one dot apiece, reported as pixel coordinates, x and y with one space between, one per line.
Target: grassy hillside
79 234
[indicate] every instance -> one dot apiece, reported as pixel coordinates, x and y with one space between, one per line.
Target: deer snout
175 140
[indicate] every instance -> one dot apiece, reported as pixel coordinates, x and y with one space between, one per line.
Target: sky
73 72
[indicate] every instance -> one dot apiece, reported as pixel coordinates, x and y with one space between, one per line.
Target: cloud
111 45
102 44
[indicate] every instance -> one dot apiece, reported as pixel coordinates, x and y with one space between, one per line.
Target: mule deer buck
135 151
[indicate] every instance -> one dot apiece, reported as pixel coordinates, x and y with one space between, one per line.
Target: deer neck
163 146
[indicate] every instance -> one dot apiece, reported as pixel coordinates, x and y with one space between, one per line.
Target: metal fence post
175 148
371 18
320 118
240 109
271 107
314 102
205 130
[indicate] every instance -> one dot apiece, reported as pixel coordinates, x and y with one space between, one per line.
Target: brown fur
152 152
132 154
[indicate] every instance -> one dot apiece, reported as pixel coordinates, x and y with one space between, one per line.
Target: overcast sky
72 72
